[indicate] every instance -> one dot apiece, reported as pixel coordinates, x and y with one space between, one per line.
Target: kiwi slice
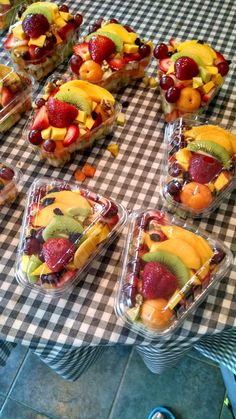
41 9
79 101
213 149
115 38
61 226
172 262
83 212
33 264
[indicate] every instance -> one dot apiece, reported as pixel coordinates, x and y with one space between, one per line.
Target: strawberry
58 253
66 30
116 63
81 49
132 57
71 135
101 47
165 64
7 96
41 119
61 114
12 42
220 58
203 168
157 281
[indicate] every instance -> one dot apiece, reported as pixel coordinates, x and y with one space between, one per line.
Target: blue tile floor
118 386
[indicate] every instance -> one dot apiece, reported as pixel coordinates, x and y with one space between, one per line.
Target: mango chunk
121 119
81 117
212 69
218 79
58 134
114 149
37 41
46 133
89 122
18 32
131 48
207 87
60 22
66 16
183 157
221 181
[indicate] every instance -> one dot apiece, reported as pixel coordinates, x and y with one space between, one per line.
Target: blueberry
48 201
155 237
57 211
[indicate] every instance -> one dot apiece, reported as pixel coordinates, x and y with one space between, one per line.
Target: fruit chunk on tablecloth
15 96
69 117
199 168
64 228
112 55
190 75
42 37
168 267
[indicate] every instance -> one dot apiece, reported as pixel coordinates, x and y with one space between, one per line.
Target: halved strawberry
165 64
60 114
66 30
7 96
71 135
81 49
12 42
132 57
101 47
220 58
41 120
116 63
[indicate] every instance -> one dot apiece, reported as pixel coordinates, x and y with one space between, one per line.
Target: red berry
35 52
31 246
75 63
157 281
35 25
78 19
166 82
58 253
160 51
172 94
186 68
35 137
71 135
63 8
202 168
101 47
48 44
6 173
223 68
41 119
144 50
49 146
60 114
39 102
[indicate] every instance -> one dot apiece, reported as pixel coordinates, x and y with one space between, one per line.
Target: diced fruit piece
39 42
189 100
222 181
183 157
58 134
46 133
34 262
207 87
88 170
155 314
203 168
186 68
100 48
130 49
121 119
35 25
196 196
91 71
42 269
71 136
79 175
57 253
41 120
157 281
6 96
60 114
114 149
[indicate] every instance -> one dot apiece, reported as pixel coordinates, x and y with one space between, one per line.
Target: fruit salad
190 74
70 116
199 167
9 182
64 228
7 10
111 55
168 268
15 96
42 37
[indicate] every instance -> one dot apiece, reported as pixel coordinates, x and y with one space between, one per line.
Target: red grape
31 246
75 63
49 146
144 50
172 94
186 68
113 20
35 25
160 51
223 68
35 137
63 8
78 19
166 82
6 173
48 43
40 102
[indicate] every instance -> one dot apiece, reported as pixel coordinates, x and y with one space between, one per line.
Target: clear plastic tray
169 267
10 179
7 12
87 135
15 96
62 233
198 169
60 39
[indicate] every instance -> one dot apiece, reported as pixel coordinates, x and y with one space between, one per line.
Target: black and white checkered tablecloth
86 315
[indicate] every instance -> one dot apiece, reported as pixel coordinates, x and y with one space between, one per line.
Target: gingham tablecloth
86 315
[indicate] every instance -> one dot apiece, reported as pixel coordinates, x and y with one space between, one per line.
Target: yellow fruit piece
121 119
114 149
207 87
58 134
218 79
5 2
205 249
212 69
117 29
152 82
171 69
81 117
96 93
66 16
183 157
37 41
104 233
45 134
24 262
8 74
150 43
85 250
203 51
145 80
94 105
221 181
42 270
58 38
174 299
130 49
232 138
89 122
18 32
60 22
211 186
69 198
212 133
203 271
95 230
182 249
45 215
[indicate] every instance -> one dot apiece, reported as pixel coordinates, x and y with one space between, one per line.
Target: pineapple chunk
58 134
121 119
45 133
37 41
212 69
131 48
218 79
89 122
60 22
114 149
183 157
66 16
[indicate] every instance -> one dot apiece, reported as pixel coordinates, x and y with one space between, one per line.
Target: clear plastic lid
198 169
64 228
168 269
15 96
10 179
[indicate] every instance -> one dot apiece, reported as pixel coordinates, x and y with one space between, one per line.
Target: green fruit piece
204 74
197 82
115 38
194 57
213 149
41 9
33 264
81 212
77 97
133 313
62 226
172 262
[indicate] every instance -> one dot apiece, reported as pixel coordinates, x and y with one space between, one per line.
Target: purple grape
174 187
6 173
39 235
31 246
174 169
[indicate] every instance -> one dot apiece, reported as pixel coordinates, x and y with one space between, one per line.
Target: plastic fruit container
7 11
169 267
69 117
42 38
199 166
15 96
64 229
190 75
112 55
10 179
